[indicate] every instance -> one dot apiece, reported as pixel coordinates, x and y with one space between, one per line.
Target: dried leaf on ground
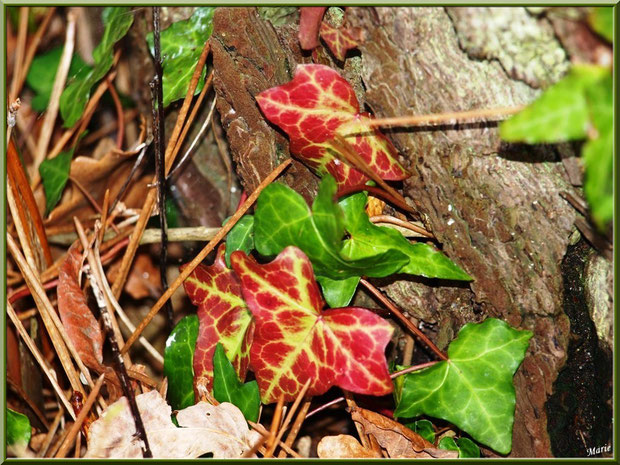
97 175
204 428
398 440
79 322
343 446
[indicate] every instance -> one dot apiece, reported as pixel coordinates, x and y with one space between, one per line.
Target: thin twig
444 118
325 406
22 33
397 313
289 416
97 285
402 224
203 128
275 424
376 191
145 213
39 358
75 428
261 429
421 366
119 311
32 48
190 119
189 268
143 148
292 435
59 84
50 434
348 152
62 342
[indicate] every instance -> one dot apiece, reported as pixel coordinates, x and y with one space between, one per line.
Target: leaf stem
189 268
377 192
445 118
403 224
398 314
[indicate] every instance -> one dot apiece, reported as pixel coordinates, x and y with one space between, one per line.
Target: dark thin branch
157 90
123 377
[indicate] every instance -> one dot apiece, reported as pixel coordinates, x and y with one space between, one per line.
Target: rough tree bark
495 209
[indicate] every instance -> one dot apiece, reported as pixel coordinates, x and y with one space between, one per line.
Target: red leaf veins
222 315
315 106
294 340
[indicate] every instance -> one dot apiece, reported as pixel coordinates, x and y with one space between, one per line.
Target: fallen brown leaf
398 440
221 430
79 322
95 175
343 446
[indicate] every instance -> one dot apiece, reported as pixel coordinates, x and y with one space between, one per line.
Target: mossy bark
494 208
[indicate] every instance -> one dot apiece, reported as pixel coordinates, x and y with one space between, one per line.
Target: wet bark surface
494 208
250 56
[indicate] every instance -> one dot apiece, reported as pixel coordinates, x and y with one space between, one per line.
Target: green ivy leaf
228 388
472 389
282 218
181 46
17 432
240 237
42 73
117 21
466 447
560 114
601 19
424 428
338 292
54 175
598 153
178 362
367 239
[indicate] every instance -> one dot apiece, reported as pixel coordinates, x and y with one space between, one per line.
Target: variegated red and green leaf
223 317
294 340
339 40
315 106
80 324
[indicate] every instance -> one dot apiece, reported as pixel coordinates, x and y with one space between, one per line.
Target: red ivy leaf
317 104
309 22
339 40
223 317
79 323
295 340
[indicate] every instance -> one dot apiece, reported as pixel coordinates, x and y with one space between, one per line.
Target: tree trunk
494 208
